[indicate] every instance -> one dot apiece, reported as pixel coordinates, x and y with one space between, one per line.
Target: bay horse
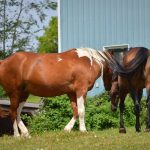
133 76
72 72
118 96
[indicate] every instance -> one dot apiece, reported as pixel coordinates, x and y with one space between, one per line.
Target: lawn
33 99
98 140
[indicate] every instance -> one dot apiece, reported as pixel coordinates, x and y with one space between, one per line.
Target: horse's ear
111 51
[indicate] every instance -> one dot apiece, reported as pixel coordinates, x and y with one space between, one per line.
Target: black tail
139 60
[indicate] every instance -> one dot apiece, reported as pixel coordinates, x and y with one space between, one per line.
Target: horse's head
114 94
107 77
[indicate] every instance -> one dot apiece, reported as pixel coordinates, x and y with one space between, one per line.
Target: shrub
2 92
57 112
54 115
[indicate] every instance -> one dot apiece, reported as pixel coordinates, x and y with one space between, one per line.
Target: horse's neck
102 63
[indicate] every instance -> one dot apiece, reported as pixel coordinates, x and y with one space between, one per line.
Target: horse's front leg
81 113
81 96
73 101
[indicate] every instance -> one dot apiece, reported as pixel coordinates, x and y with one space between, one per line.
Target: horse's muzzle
113 108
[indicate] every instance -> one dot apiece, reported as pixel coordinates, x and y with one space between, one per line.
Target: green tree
49 41
20 20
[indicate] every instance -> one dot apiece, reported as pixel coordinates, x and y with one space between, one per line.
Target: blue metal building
98 23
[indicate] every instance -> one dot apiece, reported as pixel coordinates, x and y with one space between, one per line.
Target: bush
2 92
98 114
57 112
54 115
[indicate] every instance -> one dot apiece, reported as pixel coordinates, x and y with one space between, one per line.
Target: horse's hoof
147 129
138 130
122 130
83 130
26 135
66 129
17 136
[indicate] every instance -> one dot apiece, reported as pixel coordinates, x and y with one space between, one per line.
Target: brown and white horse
72 72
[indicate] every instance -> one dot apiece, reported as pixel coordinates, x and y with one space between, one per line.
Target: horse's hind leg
13 114
148 113
136 96
73 101
148 105
16 107
122 128
121 106
22 127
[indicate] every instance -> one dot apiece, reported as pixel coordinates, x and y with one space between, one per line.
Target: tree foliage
49 41
20 21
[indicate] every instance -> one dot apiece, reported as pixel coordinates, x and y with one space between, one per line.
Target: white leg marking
15 127
70 125
81 112
22 127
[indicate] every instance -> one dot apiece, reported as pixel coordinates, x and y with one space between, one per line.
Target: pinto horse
72 72
133 76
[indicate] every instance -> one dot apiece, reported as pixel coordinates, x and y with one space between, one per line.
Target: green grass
98 140
33 99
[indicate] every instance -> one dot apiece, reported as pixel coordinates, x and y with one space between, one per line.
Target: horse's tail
3 113
139 59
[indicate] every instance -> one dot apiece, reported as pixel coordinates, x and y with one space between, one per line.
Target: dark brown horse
133 76
118 96
72 72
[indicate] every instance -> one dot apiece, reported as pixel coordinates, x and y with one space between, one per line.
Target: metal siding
147 23
97 23
81 23
70 23
64 23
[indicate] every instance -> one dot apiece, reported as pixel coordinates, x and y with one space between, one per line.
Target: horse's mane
138 61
